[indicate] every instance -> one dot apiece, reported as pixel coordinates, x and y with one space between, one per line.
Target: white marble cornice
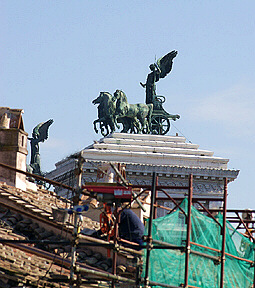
145 142
155 158
153 149
170 156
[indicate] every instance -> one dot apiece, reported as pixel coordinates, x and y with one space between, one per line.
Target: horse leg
104 128
125 124
112 126
115 122
141 125
146 129
132 126
135 127
107 129
95 128
111 122
100 121
129 125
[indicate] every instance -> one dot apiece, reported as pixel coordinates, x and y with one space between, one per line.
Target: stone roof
39 201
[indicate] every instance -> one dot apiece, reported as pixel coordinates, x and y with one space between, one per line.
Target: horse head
119 95
99 99
121 103
116 95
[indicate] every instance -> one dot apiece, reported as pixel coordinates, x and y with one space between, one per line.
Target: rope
181 133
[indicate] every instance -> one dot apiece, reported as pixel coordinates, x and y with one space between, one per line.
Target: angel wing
165 63
40 132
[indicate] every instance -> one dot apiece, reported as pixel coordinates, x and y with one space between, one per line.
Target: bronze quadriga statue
137 118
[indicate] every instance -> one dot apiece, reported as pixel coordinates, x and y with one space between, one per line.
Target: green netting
168 266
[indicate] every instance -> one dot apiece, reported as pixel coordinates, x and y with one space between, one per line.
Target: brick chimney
13 146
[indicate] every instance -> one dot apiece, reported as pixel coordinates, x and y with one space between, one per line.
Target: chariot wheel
160 125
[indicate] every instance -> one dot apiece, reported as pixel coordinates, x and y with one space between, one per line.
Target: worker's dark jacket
131 228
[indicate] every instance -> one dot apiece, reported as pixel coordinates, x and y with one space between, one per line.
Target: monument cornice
170 156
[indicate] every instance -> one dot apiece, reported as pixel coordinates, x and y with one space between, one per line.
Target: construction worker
131 227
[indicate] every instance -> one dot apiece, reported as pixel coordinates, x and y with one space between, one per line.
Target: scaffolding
187 248
218 228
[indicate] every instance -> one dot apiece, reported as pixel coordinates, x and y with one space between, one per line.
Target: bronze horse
106 112
138 112
107 118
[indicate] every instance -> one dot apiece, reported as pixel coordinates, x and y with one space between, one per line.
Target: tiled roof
28 215
19 266
40 202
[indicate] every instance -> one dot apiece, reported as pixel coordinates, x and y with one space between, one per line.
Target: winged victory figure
160 69
40 134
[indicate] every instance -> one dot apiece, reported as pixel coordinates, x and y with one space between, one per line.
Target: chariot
160 119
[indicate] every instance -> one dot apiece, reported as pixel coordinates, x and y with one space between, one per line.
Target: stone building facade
170 156
13 146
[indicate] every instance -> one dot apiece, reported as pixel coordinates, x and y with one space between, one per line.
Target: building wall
13 152
169 156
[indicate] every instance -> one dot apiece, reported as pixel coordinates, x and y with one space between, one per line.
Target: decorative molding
173 161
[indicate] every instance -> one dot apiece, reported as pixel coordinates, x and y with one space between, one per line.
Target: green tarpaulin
168 266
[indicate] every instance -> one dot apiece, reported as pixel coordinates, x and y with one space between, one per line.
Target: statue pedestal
170 156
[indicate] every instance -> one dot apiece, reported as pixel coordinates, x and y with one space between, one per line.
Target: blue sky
56 56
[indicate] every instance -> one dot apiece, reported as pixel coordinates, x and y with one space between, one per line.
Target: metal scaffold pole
186 280
149 238
223 256
76 228
253 262
156 195
115 238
